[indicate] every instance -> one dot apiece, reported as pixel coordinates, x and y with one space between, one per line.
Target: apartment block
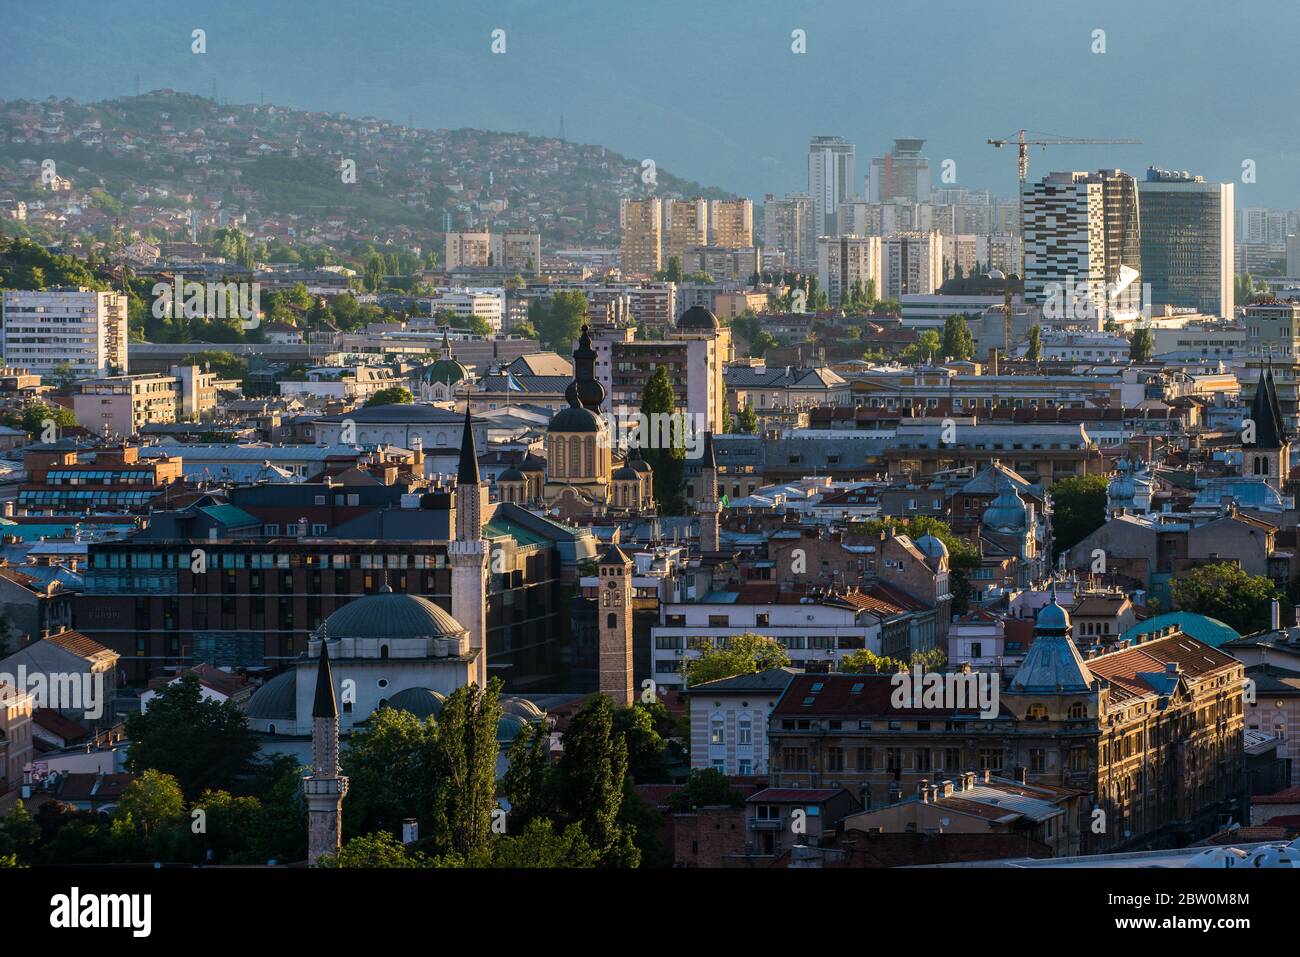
75 332
844 260
641 226
910 264
732 222
687 225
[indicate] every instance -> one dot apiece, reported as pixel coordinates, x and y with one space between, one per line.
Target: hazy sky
710 89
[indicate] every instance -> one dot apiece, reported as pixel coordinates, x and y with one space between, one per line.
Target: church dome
574 419
697 319
391 615
511 474
627 474
421 702
445 371
639 464
1007 512
1052 619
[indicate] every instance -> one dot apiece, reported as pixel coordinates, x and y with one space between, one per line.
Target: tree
673 272
379 849
705 787
37 416
927 345
864 661
389 764
743 654
201 743
590 778
393 395
560 321
747 420
19 834
153 800
540 845
1078 509
464 769
526 778
668 463
647 758
1141 346
1035 351
957 340
1226 592
762 341
229 823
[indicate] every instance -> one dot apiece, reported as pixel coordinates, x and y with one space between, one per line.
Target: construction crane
1022 143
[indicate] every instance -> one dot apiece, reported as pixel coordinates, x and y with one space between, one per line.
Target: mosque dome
445 371
421 702
932 547
1007 512
391 615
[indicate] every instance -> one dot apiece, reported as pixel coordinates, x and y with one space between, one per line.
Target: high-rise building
687 225
831 173
901 174
80 332
1082 237
733 223
1273 348
844 260
1187 241
468 250
790 226
518 250
910 264
641 224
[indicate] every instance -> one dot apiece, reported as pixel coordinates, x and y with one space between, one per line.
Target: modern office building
641 224
65 331
686 224
831 174
844 260
732 222
1187 241
1082 238
790 227
911 263
901 174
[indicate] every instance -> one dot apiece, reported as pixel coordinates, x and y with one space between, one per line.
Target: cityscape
376 494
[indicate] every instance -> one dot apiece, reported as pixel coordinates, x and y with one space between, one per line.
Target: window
745 731
1036 712
717 732
794 759
835 759
1037 759
1078 711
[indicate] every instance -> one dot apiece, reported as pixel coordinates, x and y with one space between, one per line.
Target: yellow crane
1022 144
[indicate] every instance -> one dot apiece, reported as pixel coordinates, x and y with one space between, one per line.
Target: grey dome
275 699
697 319
421 702
392 615
522 708
1007 512
574 419
626 474
509 727
511 474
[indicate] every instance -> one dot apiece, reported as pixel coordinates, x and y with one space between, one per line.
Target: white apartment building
831 175
790 227
78 331
122 405
844 260
468 250
811 632
910 264
729 721
489 304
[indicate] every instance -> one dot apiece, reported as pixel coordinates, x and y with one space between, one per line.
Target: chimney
1019 773
1275 616
946 786
923 790
1172 668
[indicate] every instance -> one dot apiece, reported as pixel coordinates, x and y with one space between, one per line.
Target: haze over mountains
713 90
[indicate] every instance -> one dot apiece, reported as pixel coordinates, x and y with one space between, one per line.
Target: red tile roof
58 724
1288 796
793 795
837 698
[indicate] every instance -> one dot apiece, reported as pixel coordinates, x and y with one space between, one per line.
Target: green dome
1007 513
275 699
391 615
446 371
421 702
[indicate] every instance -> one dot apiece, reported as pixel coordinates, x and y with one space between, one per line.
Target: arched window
557 456
611 621
1037 712
589 460
1077 711
575 457
383 652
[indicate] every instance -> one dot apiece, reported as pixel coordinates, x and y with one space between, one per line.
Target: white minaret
706 499
324 789
468 553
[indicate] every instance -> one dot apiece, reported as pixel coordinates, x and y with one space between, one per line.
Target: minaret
324 789
468 554
615 584
706 499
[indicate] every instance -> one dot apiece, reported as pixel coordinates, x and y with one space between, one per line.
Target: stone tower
1268 455
615 619
706 498
468 554
324 789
